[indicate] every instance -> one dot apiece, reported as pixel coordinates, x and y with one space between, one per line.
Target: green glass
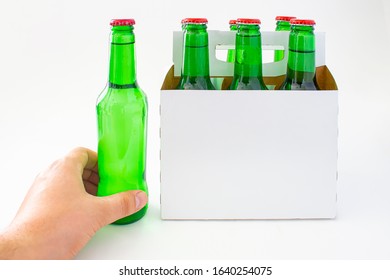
195 71
232 52
122 124
281 25
248 72
301 67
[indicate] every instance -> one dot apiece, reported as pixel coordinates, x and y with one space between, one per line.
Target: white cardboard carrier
249 154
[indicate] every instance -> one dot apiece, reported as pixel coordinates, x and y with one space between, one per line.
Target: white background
54 63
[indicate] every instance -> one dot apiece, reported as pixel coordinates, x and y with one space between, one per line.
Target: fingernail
140 199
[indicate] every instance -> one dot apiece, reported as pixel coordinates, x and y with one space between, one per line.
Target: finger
117 206
83 158
90 188
91 176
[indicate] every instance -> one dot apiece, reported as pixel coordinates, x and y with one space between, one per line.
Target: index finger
83 158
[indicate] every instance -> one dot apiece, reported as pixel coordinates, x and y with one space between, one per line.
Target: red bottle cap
302 22
232 21
195 20
284 18
248 21
122 22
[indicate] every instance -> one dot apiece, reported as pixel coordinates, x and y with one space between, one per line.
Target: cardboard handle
271 40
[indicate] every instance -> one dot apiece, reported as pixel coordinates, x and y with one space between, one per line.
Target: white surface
54 63
276 152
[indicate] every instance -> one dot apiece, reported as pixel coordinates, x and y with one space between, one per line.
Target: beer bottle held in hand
282 24
248 64
301 68
195 71
122 121
232 52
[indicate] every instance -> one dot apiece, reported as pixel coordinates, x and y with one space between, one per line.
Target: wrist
15 245
8 246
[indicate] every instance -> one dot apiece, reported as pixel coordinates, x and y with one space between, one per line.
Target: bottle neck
248 60
122 72
196 51
282 26
233 27
301 58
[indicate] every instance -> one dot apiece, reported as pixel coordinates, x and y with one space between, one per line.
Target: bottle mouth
194 21
307 22
252 21
284 18
122 22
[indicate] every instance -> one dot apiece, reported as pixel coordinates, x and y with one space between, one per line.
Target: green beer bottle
122 121
282 24
232 53
248 65
195 72
301 68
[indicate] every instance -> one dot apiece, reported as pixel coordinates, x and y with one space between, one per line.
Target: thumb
119 205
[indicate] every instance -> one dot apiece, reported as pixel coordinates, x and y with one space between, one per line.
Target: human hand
61 212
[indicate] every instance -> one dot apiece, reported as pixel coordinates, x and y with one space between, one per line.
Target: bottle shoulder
121 96
248 83
195 83
294 85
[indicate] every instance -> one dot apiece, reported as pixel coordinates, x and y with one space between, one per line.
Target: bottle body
248 73
195 72
122 125
301 60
